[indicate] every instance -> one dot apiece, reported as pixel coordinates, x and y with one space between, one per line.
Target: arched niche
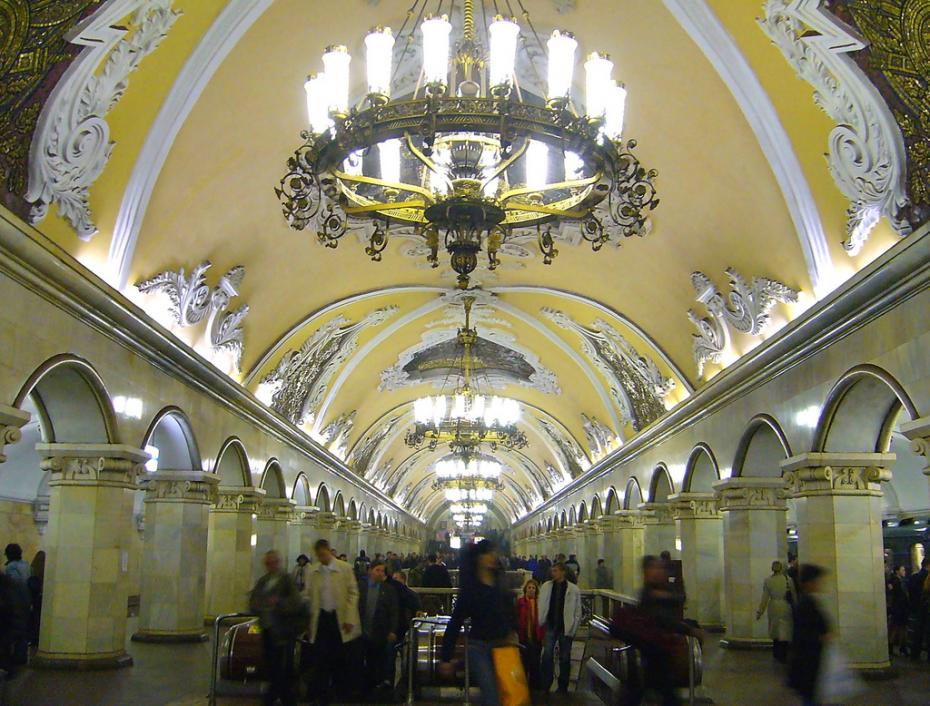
171 434
701 471
861 411
372 518
563 520
661 485
596 510
273 480
613 501
352 513
339 504
323 503
232 464
301 491
633 494
582 513
572 517
761 449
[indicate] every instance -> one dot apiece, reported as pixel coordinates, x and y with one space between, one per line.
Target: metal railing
413 656
214 667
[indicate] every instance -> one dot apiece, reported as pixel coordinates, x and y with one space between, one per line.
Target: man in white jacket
560 614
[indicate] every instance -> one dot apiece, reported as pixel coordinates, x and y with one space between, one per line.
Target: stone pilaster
754 517
839 504
353 530
301 532
87 554
174 557
592 546
660 532
230 550
11 421
626 564
701 532
271 533
337 535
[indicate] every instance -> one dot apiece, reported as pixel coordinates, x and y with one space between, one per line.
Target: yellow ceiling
721 205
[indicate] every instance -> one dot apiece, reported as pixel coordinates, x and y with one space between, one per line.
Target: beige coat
779 611
345 593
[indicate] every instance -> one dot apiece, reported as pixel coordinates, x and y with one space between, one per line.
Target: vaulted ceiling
595 347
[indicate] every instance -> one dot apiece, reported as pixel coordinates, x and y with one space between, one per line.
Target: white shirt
327 602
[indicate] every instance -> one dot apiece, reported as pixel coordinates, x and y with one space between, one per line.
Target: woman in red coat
530 632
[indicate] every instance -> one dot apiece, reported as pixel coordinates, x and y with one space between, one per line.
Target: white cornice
233 22
706 30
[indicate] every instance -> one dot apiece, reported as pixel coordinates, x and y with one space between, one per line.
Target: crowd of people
20 607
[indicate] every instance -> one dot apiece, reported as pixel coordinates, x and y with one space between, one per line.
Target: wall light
128 406
152 464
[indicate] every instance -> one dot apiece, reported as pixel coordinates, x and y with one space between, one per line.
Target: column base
881 671
169 637
745 643
58 660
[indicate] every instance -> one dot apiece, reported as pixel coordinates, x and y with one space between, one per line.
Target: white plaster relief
71 145
866 150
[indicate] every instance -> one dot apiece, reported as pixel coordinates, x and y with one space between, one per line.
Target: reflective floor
178 675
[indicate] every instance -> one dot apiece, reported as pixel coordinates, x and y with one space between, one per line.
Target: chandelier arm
500 168
426 161
400 186
571 184
377 207
547 210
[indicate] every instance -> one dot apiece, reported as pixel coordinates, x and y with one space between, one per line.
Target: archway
633 494
701 471
232 465
301 491
661 485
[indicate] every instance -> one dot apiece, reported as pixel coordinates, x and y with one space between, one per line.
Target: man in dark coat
436 575
918 619
408 601
379 608
811 630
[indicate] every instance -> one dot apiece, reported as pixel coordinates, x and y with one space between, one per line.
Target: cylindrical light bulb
616 106
574 166
379 53
503 35
317 87
336 62
436 32
597 70
561 47
389 153
537 167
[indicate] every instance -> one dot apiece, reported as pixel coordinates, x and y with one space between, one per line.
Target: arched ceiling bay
606 335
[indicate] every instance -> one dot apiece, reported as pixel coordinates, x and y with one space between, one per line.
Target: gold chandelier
470 159
466 419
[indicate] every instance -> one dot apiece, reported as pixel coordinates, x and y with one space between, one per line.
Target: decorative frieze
750 494
324 520
181 486
815 474
113 465
11 422
241 499
694 506
656 513
624 520
276 509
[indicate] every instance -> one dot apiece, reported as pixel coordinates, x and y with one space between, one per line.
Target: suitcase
243 653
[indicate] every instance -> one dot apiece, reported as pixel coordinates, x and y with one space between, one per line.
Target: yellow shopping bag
511 679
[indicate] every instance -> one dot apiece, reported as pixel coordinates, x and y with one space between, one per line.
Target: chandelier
466 419
469 160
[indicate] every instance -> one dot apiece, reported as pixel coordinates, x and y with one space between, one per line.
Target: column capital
694 506
750 494
276 509
232 498
918 432
324 520
656 513
180 486
352 526
813 474
11 421
114 465
624 519
303 514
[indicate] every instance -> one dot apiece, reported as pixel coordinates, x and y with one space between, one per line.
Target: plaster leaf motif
573 457
866 150
601 440
335 435
72 143
366 451
189 295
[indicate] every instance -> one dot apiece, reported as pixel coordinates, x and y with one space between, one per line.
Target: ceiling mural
601 440
335 435
573 457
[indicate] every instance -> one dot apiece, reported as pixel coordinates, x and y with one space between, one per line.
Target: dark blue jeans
553 638
481 671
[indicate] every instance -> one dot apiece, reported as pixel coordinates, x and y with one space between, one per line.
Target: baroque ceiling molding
866 149
296 386
637 386
192 299
71 145
601 440
335 435
747 309
573 457
365 451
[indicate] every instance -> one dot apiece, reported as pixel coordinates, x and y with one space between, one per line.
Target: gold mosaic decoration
898 61
33 55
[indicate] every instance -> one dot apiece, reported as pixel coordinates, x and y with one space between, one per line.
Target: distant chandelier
466 419
458 494
468 161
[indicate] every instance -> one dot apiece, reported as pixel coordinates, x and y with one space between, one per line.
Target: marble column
11 421
592 543
174 555
86 585
271 533
754 535
839 505
323 525
700 527
660 533
337 536
301 533
630 529
353 530
230 550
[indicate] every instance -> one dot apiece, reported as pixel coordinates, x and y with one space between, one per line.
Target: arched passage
701 471
232 464
661 485
170 442
761 449
633 494
272 481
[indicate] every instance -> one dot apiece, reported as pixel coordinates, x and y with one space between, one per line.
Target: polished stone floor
178 675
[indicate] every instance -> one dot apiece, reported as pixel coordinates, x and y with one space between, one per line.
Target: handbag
512 687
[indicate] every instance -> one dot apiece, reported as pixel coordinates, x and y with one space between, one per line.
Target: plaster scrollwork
601 440
747 308
365 451
71 146
637 386
90 470
335 435
297 385
836 480
573 457
866 150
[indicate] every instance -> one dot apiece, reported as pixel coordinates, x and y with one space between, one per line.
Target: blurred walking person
379 608
778 597
898 604
282 617
811 632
